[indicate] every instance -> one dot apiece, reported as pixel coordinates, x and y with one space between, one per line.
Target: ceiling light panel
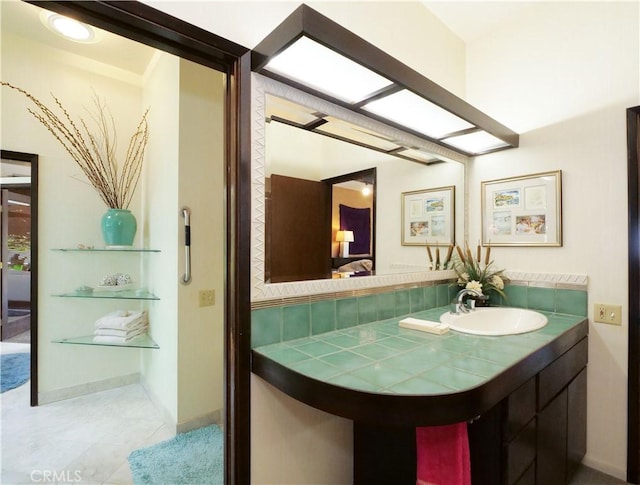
352 132
476 142
290 111
419 155
414 112
324 70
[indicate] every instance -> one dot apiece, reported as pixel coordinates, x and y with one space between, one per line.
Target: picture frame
523 211
428 217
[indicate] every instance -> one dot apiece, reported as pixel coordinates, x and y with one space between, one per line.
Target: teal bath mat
193 458
15 370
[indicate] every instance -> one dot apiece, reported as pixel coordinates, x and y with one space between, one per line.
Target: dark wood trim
238 304
306 21
403 410
370 174
33 160
633 395
145 24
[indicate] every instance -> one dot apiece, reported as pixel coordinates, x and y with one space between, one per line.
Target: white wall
563 78
201 189
70 210
160 367
185 169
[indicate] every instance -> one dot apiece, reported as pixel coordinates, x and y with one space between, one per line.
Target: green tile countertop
407 377
381 357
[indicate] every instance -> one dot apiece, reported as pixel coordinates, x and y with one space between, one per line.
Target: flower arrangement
474 275
95 153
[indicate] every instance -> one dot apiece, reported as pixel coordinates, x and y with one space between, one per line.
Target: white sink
495 321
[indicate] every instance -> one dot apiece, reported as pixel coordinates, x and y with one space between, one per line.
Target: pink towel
443 455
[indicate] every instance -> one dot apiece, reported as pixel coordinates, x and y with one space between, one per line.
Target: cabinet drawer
520 453
519 409
556 376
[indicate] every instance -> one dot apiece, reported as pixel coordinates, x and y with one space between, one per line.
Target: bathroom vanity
524 396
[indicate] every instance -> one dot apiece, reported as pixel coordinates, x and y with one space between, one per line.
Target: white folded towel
437 328
112 340
122 320
111 332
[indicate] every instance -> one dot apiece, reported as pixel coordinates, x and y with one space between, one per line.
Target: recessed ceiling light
68 28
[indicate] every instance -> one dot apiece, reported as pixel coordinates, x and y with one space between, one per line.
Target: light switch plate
611 314
206 298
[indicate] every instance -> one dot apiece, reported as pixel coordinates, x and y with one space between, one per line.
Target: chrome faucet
460 303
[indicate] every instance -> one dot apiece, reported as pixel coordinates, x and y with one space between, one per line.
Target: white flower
474 285
497 282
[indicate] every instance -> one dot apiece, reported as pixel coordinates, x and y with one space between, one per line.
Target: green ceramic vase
118 227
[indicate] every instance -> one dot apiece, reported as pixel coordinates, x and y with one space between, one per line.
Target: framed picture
428 217
523 211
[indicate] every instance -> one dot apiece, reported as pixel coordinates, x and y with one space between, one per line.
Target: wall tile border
424 279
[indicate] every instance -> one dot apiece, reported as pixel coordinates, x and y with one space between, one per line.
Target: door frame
147 25
32 159
633 384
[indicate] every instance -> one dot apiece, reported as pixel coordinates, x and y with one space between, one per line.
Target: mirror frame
147 25
261 86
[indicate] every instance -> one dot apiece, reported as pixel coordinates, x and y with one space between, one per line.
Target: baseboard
167 417
47 397
605 467
214 417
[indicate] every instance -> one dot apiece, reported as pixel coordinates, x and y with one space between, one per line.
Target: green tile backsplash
285 323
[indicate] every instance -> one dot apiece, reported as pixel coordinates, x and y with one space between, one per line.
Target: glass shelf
122 249
115 295
140 342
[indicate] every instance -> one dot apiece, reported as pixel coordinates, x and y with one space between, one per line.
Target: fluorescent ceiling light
410 110
323 69
68 28
354 133
290 111
419 155
17 202
476 142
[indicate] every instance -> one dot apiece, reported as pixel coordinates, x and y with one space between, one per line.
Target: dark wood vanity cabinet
537 435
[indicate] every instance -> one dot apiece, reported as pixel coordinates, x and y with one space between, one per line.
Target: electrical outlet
611 314
206 298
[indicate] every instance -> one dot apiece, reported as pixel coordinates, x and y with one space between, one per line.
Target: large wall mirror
302 138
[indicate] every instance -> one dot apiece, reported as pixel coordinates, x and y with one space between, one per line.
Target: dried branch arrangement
95 153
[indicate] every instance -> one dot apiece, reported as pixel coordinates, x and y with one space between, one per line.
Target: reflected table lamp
344 238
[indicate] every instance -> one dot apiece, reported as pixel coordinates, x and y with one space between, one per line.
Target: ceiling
472 20
469 20
22 19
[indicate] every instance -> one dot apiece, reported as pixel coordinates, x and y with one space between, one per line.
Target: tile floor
85 440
